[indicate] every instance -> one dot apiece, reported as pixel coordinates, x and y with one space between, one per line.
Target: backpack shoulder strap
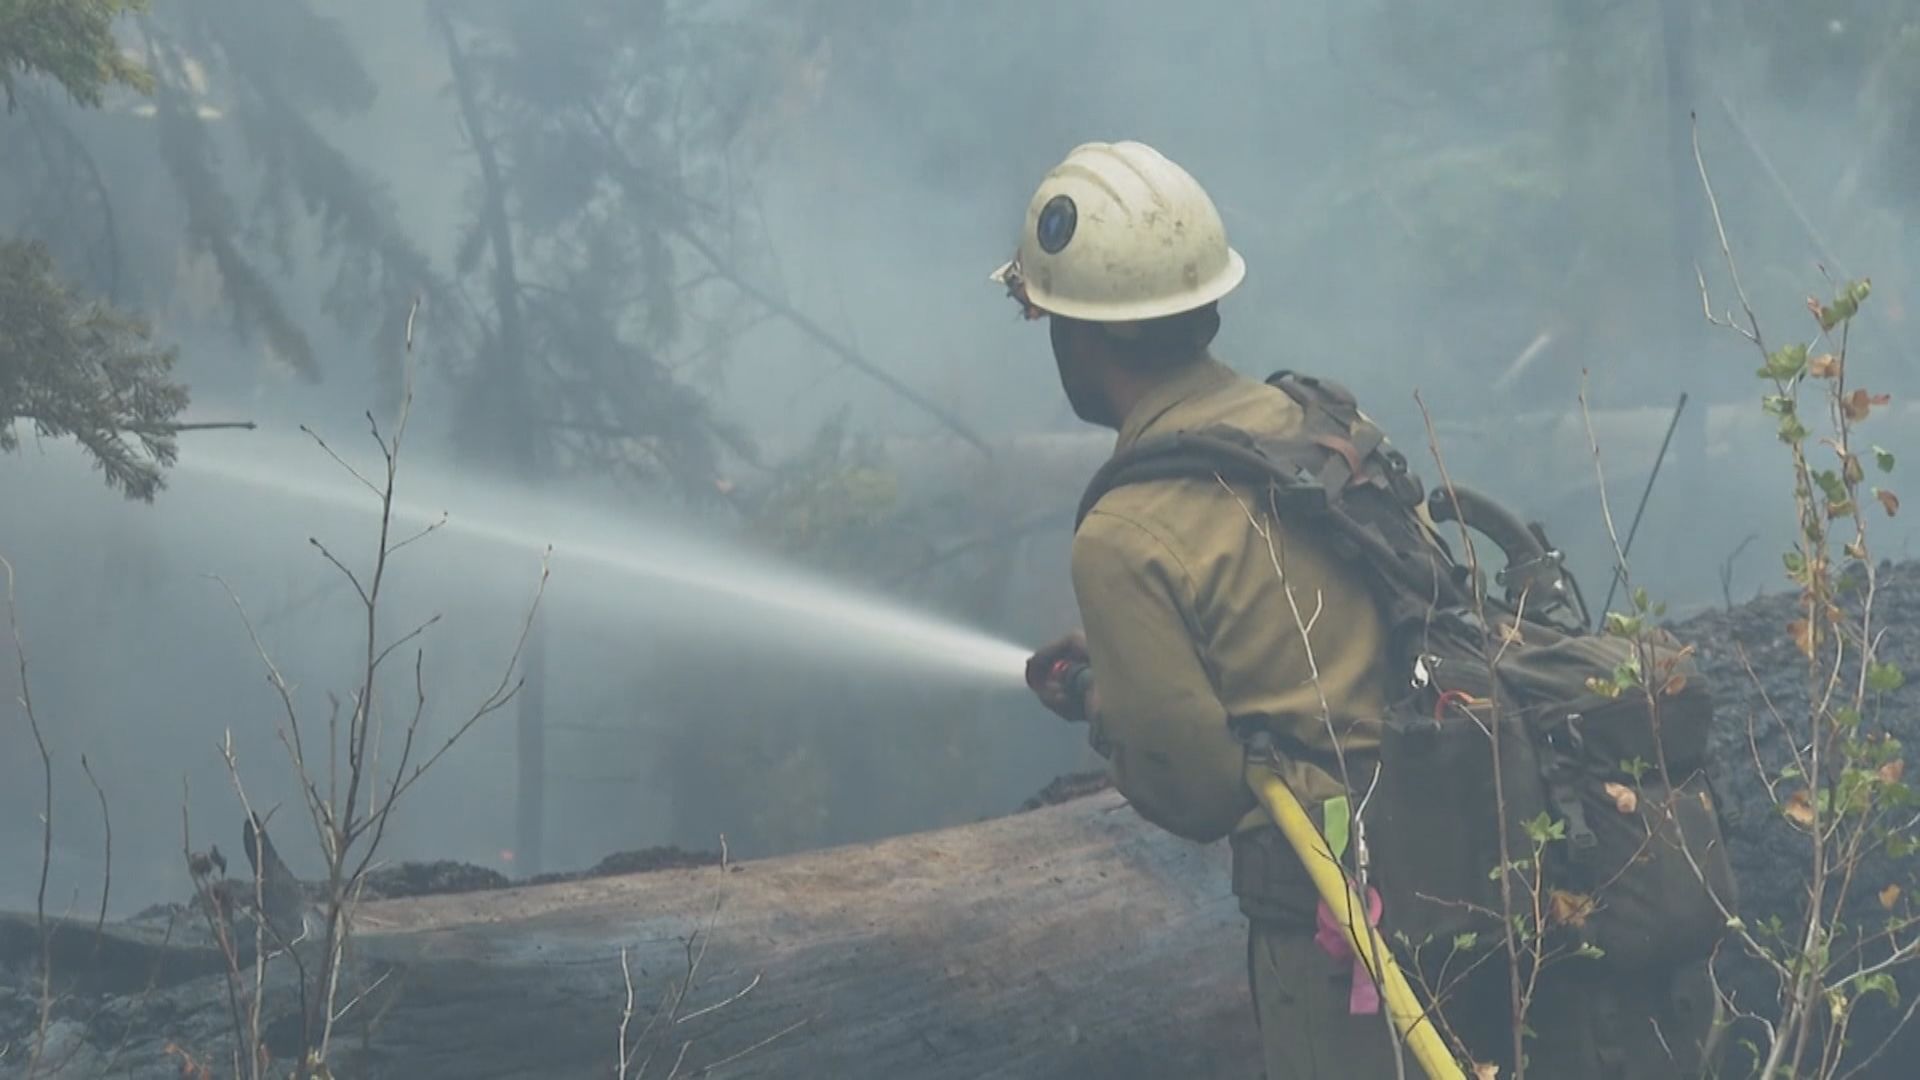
1337 473
1336 449
1333 420
1227 453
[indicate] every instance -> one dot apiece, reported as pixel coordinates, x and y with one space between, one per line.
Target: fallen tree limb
1072 941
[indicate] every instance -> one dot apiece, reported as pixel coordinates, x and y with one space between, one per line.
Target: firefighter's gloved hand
1053 682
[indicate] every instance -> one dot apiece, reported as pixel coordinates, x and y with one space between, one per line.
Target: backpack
1635 875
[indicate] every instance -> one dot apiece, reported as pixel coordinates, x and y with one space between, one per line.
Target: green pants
1651 1027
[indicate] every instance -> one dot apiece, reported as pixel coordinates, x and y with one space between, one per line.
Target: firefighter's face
1076 351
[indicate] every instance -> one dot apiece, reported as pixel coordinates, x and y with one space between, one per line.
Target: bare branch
1726 249
258 858
626 1013
698 1013
361 996
409 636
756 1047
290 733
499 698
46 829
106 822
421 535
342 462
340 566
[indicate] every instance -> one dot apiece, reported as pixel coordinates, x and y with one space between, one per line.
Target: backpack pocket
1648 883
1432 828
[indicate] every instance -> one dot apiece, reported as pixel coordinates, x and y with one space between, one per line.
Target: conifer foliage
75 367
69 365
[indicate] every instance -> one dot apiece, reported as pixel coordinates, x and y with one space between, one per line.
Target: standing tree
274 69
70 366
261 198
73 367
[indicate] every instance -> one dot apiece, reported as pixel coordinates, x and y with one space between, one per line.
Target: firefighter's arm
1157 718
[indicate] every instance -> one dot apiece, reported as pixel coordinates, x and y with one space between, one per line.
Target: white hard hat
1117 233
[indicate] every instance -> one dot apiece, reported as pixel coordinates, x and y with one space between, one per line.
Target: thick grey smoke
1476 202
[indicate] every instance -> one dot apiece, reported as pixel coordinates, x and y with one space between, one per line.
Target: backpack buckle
1570 725
1424 666
1259 746
1567 801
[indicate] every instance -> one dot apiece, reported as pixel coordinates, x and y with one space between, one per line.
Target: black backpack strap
1227 453
1367 519
1361 453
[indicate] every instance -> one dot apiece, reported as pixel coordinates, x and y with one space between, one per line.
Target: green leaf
1885 678
1792 430
1464 942
1543 829
1335 811
1625 626
1845 305
1588 950
1831 485
1779 405
1881 982
1785 363
1626 676
1883 458
1640 602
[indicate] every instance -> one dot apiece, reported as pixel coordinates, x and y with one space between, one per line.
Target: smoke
1422 192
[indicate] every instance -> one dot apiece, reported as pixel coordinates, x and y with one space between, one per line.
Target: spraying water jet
781 605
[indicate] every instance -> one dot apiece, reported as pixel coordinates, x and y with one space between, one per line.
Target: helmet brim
1222 283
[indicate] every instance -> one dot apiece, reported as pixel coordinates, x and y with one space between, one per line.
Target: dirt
1757 674
1070 786
431 878
644 861
446 877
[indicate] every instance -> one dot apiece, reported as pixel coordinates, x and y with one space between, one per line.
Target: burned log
1071 941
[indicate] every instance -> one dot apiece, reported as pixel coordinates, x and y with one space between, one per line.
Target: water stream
741 595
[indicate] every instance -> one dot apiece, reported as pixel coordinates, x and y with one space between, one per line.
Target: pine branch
80 369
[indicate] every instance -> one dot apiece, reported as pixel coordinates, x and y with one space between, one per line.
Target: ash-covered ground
144 998
1769 854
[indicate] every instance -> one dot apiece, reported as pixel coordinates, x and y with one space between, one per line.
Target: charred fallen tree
1070 941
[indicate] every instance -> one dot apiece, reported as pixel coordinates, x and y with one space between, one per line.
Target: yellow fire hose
1409 1018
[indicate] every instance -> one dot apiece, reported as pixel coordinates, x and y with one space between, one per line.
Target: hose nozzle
1075 677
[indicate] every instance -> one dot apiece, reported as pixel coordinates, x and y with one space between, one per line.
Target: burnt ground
1767 852
146 975
446 877
1070 786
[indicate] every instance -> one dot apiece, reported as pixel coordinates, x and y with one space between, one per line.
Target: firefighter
1187 624
1204 617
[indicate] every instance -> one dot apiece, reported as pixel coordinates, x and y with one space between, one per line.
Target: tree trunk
1073 941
